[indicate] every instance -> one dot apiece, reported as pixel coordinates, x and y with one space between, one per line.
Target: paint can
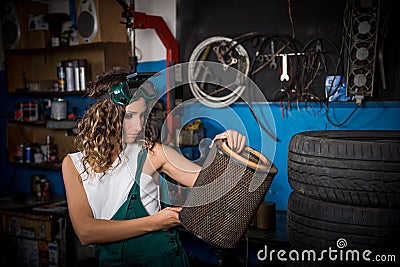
58 109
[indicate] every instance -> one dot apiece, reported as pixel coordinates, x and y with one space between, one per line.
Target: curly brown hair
100 129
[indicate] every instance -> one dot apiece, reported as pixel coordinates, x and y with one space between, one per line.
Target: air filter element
227 194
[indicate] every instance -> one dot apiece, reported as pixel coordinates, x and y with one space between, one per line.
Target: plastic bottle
51 150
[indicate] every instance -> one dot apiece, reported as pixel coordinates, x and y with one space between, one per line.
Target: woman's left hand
236 141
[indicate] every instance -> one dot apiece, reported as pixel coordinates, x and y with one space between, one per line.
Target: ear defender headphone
134 86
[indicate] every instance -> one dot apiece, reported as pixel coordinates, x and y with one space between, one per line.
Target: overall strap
139 167
158 248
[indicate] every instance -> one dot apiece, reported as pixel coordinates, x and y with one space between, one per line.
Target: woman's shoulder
67 160
156 154
162 153
73 160
70 157
159 150
68 165
74 157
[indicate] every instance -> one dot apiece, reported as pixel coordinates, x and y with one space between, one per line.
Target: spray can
61 77
82 73
28 154
75 66
69 75
45 186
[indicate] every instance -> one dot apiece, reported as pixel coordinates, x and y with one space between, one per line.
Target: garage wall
149 46
198 20
308 25
372 116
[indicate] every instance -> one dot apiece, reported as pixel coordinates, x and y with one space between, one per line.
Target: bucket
59 109
226 195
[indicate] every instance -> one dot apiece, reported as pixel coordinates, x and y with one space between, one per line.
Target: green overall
156 249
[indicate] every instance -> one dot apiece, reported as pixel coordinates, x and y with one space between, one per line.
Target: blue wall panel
299 118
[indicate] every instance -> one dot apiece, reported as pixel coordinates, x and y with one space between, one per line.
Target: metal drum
226 195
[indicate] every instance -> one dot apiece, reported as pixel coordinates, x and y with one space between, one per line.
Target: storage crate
32 253
30 226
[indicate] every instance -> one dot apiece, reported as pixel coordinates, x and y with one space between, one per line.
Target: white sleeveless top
106 195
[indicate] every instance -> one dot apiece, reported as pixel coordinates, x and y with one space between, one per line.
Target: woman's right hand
167 218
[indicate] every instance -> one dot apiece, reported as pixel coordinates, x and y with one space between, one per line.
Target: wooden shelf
29 123
46 165
35 133
64 48
41 64
24 92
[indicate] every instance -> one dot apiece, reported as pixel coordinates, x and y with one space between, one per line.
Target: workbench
34 233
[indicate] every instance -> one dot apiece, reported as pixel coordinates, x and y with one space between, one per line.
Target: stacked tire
346 188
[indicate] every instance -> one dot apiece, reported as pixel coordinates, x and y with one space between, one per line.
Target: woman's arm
90 230
166 160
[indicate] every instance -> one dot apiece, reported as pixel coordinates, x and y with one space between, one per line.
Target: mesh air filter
227 194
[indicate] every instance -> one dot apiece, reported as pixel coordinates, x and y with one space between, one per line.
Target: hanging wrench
284 75
273 64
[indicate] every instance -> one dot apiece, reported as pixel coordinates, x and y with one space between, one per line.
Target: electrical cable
289 43
312 79
258 52
340 63
344 121
275 138
291 18
208 99
269 60
317 61
201 51
312 97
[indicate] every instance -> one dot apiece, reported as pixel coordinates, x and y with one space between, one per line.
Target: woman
112 182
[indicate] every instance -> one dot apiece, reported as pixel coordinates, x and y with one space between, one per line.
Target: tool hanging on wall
273 64
285 75
232 55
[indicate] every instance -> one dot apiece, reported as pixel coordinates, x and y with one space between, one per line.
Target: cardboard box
35 239
37 253
34 226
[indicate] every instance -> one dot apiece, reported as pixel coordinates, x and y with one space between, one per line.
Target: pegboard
317 28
